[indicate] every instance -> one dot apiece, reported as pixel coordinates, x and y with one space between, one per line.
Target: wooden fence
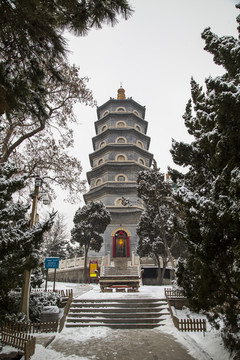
66 293
63 293
174 293
17 335
24 342
66 309
34 327
192 325
183 324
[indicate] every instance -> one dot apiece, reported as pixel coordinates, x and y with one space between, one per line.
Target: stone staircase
119 313
118 271
121 274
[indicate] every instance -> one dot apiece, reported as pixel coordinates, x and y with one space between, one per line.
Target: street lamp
45 199
24 307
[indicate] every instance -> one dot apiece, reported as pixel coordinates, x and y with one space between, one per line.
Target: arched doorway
121 246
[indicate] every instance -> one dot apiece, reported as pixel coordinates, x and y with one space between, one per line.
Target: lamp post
24 307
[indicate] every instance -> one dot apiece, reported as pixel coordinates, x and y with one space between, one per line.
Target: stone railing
76 262
68 263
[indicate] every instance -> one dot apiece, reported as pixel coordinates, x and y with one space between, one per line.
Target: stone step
110 270
116 310
116 326
128 313
121 261
128 300
117 305
119 273
115 320
117 315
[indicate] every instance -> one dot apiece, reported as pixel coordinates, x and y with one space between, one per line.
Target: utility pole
24 307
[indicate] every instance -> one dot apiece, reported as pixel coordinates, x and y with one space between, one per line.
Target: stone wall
74 275
178 303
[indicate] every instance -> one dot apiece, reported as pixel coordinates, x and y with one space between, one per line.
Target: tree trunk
163 269
159 277
165 240
85 274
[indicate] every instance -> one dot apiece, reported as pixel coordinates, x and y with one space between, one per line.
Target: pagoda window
105 113
120 109
102 144
98 182
121 177
121 140
138 128
121 157
103 128
140 144
121 124
100 161
141 161
136 113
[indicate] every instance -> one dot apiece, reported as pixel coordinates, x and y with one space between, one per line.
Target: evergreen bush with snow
161 226
19 245
37 301
210 191
90 222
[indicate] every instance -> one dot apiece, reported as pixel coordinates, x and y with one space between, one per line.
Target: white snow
201 346
50 309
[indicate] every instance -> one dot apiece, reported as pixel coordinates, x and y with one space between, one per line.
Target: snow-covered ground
201 346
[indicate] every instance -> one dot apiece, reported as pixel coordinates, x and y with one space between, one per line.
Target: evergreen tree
90 222
73 251
210 190
19 245
160 227
56 239
32 42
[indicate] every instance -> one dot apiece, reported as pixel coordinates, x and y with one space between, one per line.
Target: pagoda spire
121 93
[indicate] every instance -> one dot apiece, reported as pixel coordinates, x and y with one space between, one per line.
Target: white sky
154 54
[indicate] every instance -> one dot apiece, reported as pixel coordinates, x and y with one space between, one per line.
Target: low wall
154 281
178 303
74 275
150 275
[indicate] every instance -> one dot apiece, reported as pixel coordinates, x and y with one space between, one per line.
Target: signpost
51 263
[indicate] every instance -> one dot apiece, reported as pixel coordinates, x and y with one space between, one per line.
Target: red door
121 244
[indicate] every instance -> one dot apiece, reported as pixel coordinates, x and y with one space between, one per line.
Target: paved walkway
124 345
134 344
98 344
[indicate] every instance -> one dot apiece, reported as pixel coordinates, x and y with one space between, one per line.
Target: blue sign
52 263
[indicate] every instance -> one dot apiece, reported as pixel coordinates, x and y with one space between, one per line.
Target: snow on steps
117 313
116 271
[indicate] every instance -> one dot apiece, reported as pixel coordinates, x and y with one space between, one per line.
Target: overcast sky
154 54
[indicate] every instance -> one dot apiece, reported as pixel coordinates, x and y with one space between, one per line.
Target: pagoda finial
121 93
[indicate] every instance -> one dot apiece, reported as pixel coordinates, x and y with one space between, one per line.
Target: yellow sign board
92 269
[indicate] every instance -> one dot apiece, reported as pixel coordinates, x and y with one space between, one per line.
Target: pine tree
160 227
210 190
32 41
19 245
90 222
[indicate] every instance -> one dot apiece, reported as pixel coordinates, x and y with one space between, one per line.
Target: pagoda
120 151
